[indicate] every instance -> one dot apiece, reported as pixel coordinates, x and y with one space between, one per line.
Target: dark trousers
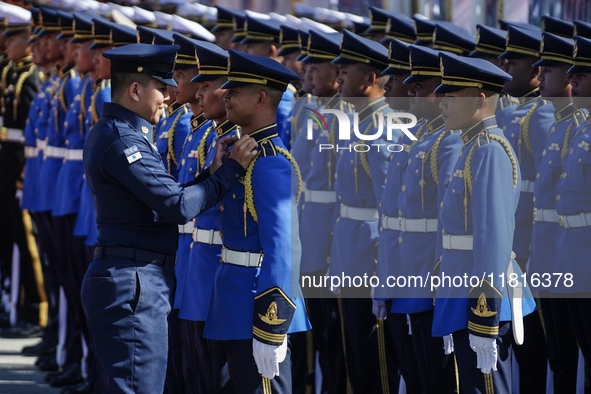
563 351
472 380
127 305
175 382
405 350
369 349
245 376
579 309
12 231
437 370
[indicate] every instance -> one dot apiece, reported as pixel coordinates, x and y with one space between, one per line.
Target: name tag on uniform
133 154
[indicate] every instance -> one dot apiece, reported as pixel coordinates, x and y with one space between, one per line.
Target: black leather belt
133 254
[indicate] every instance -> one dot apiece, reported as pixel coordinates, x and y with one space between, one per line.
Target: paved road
18 374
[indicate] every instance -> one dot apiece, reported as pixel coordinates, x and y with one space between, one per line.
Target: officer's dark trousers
563 351
472 380
12 231
127 303
245 376
405 350
175 382
579 308
367 349
437 370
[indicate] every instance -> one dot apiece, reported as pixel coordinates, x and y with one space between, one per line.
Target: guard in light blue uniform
572 206
556 58
127 288
475 228
431 160
527 129
359 185
398 65
256 299
259 32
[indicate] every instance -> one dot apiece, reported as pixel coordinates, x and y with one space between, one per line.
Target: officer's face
152 98
459 110
84 57
290 62
554 81
423 101
305 78
54 47
222 38
352 82
240 104
395 86
102 64
323 79
68 49
581 90
186 91
17 47
211 99
524 75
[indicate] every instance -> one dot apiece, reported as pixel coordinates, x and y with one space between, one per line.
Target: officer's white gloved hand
379 309
448 344
268 357
486 352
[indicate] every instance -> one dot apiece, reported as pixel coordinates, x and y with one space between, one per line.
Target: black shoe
68 378
50 375
48 364
85 387
22 330
4 320
42 349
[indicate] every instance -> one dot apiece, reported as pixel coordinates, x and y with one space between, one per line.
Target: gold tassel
245 209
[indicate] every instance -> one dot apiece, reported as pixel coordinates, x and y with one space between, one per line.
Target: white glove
448 344
268 357
486 352
379 309
335 290
408 323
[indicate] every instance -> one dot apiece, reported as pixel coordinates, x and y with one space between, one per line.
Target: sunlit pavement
18 374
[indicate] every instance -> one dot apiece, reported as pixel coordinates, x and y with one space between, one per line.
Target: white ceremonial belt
186 228
74 154
570 221
245 259
320 196
11 135
457 242
418 225
30 151
211 237
545 215
54 151
363 214
390 223
41 144
527 186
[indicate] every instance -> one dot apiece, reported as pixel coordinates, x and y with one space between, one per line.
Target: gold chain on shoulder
524 128
507 147
201 156
433 152
170 150
566 142
17 92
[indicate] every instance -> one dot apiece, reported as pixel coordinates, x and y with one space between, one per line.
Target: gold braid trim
82 115
566 142
18 87
170 152
524 128
5 71
433 153
294 122
60 93
507 147
248 192
93 110
201 156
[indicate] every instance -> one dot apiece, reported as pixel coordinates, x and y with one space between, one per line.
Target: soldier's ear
134 91
272 51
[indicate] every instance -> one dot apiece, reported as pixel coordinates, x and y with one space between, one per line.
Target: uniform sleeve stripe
277 338
483 329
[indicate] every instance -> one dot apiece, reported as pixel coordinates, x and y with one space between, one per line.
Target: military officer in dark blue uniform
127 288
556 58
257 279
526 128
359 184
572 206
475 228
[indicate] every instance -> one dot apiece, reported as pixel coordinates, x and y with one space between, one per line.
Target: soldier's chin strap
515 295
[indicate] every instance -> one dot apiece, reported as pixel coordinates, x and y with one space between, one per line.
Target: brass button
190 169
183 162
534 199
461 153
538 175
311 164
564 175
403 187
453 190
190 137
544 152
385 181
550 162
399 213
571 151
579 160
441 205
554 127
351 161
191 246
558 197
398 163
380 205
233 195
399 240
222 207
340 198
409 161
416 171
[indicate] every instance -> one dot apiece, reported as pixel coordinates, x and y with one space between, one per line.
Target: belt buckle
561 221
535 214
400 224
